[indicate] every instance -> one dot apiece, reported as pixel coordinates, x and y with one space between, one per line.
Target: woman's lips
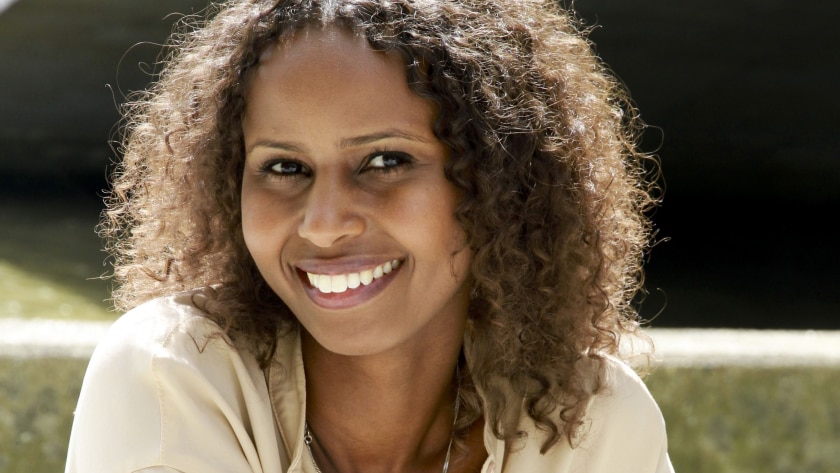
337 291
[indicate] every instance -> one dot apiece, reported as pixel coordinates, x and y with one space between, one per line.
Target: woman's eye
286 168
387 161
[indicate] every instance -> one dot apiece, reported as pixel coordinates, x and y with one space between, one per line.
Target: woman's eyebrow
351 142
382 135
281 145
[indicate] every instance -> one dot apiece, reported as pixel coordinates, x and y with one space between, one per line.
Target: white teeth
339 283
325 283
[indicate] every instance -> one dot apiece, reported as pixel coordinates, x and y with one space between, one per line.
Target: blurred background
741 97
742 100
745 98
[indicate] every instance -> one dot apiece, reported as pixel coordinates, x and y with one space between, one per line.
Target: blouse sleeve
161 396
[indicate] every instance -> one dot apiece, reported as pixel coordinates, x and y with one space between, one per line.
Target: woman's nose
331 213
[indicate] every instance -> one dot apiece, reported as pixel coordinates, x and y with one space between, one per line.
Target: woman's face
345 206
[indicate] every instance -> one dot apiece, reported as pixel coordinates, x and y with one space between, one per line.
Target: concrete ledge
734 401
746 348
43 338
38 338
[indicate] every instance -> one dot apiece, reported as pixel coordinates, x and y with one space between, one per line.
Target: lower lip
350 297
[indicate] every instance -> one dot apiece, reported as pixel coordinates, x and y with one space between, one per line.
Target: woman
375 236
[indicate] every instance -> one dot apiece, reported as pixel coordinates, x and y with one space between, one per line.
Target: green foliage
50 262
742 420
37 399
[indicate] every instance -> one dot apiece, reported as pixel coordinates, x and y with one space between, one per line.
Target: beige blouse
161 395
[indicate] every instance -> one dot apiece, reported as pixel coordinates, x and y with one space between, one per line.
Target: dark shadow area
66 68
743 94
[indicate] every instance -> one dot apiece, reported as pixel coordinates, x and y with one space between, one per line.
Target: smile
338 283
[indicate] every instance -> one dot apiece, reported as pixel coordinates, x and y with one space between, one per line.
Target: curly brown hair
544 149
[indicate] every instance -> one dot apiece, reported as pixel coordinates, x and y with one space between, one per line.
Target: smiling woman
375 236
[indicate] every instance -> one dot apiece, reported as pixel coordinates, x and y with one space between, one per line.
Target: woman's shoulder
161 323
623 430
625 400
166 338
178 381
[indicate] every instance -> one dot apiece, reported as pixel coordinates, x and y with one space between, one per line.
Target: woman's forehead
311 39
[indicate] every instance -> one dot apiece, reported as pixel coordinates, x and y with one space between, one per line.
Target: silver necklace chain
307 435
307 439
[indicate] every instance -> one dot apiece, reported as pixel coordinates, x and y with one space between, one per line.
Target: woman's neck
382 413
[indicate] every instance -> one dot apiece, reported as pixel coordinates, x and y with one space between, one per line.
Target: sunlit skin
344 174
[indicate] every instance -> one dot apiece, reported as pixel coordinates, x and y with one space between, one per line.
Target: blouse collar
287 391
